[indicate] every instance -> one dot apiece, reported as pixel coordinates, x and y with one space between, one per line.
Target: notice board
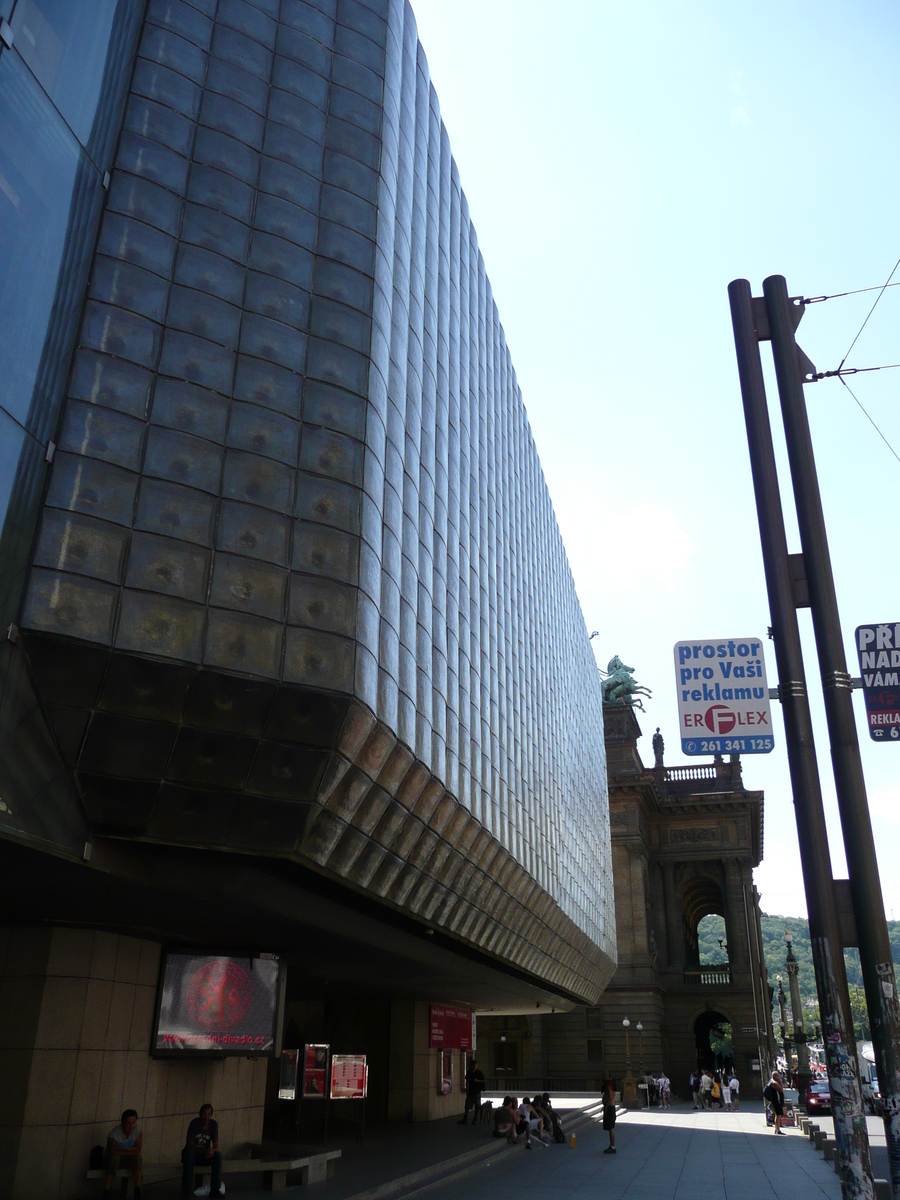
451 1028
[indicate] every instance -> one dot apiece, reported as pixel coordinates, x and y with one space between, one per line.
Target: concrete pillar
414 1070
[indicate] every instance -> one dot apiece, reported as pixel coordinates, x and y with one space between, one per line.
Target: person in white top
664 1090
735 1088
726 1094
533 1119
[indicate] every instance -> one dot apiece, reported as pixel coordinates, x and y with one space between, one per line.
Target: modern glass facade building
285 594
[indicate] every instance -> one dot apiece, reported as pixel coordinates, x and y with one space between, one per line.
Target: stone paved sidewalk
675 1155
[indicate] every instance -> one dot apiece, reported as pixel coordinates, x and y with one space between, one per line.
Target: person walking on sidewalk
663 1090
609 1113
774 1096
735 1086
694 1085
475 1082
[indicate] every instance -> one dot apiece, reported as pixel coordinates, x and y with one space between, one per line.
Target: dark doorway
715 1047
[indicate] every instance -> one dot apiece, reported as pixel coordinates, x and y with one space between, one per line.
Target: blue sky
623 163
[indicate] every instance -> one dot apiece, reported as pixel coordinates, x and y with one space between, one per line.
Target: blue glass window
39 167
66 45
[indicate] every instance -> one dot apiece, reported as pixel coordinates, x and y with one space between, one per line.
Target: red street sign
878 647
451 1028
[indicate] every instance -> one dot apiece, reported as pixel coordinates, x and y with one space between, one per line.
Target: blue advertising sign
723 697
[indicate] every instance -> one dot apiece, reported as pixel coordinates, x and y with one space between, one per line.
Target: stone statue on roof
659 748
620 686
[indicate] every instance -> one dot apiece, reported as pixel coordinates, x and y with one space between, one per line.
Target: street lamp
626 1024
793 969
640 1032
783 1025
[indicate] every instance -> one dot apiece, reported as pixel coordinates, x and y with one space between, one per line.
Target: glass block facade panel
295 482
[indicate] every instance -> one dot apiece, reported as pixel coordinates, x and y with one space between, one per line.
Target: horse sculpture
620 686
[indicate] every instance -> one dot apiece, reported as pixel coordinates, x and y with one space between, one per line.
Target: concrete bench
313 1168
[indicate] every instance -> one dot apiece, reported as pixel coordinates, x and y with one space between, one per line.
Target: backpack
769 1093
97 1159
716 1090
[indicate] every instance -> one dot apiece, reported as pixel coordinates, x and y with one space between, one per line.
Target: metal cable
887 284
866 415
878 287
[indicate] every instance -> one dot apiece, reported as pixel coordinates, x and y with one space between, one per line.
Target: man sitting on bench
202 1150
123 1150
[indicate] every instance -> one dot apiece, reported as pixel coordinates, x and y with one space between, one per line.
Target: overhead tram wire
841 370
878 287
866 415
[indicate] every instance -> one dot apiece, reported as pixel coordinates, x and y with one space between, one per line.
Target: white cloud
627 548
884 803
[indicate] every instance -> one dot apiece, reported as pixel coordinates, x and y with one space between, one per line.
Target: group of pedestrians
719 1090
659 1089
533 1116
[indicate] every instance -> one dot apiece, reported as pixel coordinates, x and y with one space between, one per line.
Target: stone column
674 920
735 923
658 896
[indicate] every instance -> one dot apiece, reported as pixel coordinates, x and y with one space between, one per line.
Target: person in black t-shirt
475 1082
202 1149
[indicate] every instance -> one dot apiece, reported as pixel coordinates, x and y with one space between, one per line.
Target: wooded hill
773 928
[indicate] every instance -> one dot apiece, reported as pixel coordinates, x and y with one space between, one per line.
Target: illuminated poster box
315 1065
349 1077
213 1005
287 1082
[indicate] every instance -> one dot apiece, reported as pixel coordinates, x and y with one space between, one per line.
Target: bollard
820 1139
572 1141
828 1150
811 1131
882 1189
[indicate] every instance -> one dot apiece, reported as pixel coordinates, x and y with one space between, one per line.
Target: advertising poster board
878 647
349 1077
215 1005
723 697
451 1028
315 1067
287 1082
445 1068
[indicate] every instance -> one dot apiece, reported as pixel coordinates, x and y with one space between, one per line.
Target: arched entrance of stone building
714 1040
701 897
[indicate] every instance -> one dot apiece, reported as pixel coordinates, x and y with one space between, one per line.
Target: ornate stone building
685 841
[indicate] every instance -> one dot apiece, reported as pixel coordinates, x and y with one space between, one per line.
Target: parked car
818 1098
871 1094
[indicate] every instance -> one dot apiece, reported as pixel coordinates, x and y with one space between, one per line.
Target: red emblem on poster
219 994
451 1028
